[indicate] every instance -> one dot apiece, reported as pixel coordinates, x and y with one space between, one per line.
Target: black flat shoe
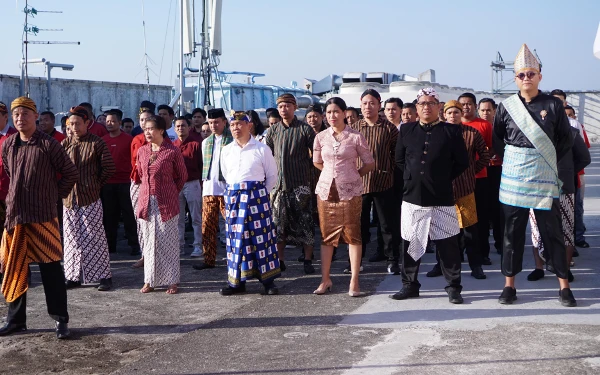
70 284
576 253
202 266
282 266
487 261
229 291
455 297
62 330
581 244
405 293
535 275
477 273
566 298
435 271
270 290
508 296
10 328
308 267
301 258
105 285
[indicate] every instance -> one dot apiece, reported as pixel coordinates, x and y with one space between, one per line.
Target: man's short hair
559 92
199 110
571 108
166 107
268 112
127 119
183 118
468 95
117 113
398 102
488 100
48 113
88 107
356 112
409 106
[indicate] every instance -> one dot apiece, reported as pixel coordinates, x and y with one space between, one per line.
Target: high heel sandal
323 288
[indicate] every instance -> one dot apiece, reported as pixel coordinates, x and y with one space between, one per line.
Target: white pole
181 67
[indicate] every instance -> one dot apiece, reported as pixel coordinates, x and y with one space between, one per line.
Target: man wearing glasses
531 134
431 154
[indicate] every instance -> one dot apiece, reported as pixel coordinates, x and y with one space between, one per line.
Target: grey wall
67 93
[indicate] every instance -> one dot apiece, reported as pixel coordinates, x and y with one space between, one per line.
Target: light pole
49 66
22 65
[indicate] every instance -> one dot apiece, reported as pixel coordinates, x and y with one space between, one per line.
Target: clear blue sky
291 40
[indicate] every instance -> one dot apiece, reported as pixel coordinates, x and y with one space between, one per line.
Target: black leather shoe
270 290
581 244
308 267
105 284
377 257
508 296
570 277
405 293
301 258
477 273
455 297
70 284
393 268
435 271
229 291
202 266
487 261
282 266
535 275
565 296
576 253
10 328
62 330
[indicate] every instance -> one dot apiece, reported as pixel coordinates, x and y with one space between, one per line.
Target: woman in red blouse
162 171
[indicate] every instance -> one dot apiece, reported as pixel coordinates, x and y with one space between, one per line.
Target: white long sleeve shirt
213 186
253 162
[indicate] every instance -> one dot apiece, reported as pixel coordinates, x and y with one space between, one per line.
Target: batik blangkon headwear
453 104
526 60
429 91
287 98
23 101
239 116
79 111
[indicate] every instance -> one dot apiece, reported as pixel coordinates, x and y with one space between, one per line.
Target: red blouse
165 178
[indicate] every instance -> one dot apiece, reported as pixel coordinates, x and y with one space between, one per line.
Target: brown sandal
147 289
173 289
138 264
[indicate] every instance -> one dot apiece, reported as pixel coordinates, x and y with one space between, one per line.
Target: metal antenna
146 57
32 29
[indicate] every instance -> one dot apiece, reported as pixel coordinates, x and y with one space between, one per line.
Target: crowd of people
432 176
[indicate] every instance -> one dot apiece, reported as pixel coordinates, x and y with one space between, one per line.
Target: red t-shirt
485 129
138 141
58 135
4 180
98 129
120 149
191 149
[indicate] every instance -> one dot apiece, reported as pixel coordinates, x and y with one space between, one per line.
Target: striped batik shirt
381 138
464 184
32 167
292 148
95 164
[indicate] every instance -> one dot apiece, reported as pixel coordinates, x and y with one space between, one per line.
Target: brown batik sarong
25 244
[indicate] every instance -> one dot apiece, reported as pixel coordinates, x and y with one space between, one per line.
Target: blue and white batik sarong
251 235
529 175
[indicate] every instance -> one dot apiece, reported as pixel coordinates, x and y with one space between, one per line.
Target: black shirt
430 160
548 112
574 161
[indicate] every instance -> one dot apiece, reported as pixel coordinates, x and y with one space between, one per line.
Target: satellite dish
597 44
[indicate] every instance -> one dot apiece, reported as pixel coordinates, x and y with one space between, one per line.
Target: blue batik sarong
251 234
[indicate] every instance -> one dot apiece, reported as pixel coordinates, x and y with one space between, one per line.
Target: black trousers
483 215
53 279
389 221
550 226
116 203
449 257
496 213
468 239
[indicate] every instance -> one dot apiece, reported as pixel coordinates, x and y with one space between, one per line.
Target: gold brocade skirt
466 210
339 219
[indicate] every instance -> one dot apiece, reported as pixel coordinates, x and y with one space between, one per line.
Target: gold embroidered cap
526 60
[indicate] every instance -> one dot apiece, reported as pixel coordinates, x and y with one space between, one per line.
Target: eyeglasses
427 104
529 75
